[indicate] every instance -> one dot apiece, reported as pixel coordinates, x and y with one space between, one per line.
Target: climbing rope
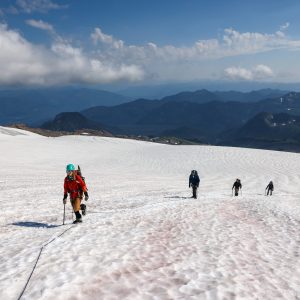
37 260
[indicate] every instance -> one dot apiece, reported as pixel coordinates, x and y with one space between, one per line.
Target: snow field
143 236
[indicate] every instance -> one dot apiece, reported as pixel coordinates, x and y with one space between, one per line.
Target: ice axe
64 214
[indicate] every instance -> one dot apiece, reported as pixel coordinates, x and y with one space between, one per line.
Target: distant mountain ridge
203 96
155 116
267 131
35 106
161 90
205 116
71 121
252 96
200 96
268 126
209 122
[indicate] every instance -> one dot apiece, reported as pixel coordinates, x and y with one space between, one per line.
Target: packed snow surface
143 236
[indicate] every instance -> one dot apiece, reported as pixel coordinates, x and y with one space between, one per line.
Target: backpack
78 172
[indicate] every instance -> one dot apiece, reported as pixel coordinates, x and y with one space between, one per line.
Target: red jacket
74 186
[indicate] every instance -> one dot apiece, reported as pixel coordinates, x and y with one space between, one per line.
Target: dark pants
236 191
269 191
194 187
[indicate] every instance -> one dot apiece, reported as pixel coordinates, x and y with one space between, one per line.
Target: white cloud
41 25
232 43
257 73
98 36
30 6
236 43
285 26
170 61
237 73
262 71
111 59
25 63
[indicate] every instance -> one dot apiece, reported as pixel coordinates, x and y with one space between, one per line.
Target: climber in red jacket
74 185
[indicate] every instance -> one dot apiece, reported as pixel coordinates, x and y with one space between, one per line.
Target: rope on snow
41 250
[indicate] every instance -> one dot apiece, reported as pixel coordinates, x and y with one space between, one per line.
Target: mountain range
267 131
35 106
195 118
158 91
73 121
227 118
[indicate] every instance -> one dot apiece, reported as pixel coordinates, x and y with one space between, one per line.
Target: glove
65 198
86 198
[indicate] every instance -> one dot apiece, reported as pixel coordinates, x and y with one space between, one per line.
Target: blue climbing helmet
70 167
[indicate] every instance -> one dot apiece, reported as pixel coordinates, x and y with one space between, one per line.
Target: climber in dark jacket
237 186
194 181
270 188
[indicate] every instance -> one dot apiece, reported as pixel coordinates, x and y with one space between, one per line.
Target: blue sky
49 42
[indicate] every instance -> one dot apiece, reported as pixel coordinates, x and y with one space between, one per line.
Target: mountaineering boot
83 209
77 221
78 218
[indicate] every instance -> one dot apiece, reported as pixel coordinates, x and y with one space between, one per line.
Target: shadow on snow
178 197
35 224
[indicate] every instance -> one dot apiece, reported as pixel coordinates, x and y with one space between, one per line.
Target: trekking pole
64 214
232 193
241 193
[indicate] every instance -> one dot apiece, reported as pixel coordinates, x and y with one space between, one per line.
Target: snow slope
143 236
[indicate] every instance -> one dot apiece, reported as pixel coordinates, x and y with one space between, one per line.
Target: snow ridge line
37 260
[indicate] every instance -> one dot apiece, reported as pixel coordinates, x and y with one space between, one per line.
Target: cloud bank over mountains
25 63
107 59
257 73
232 43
